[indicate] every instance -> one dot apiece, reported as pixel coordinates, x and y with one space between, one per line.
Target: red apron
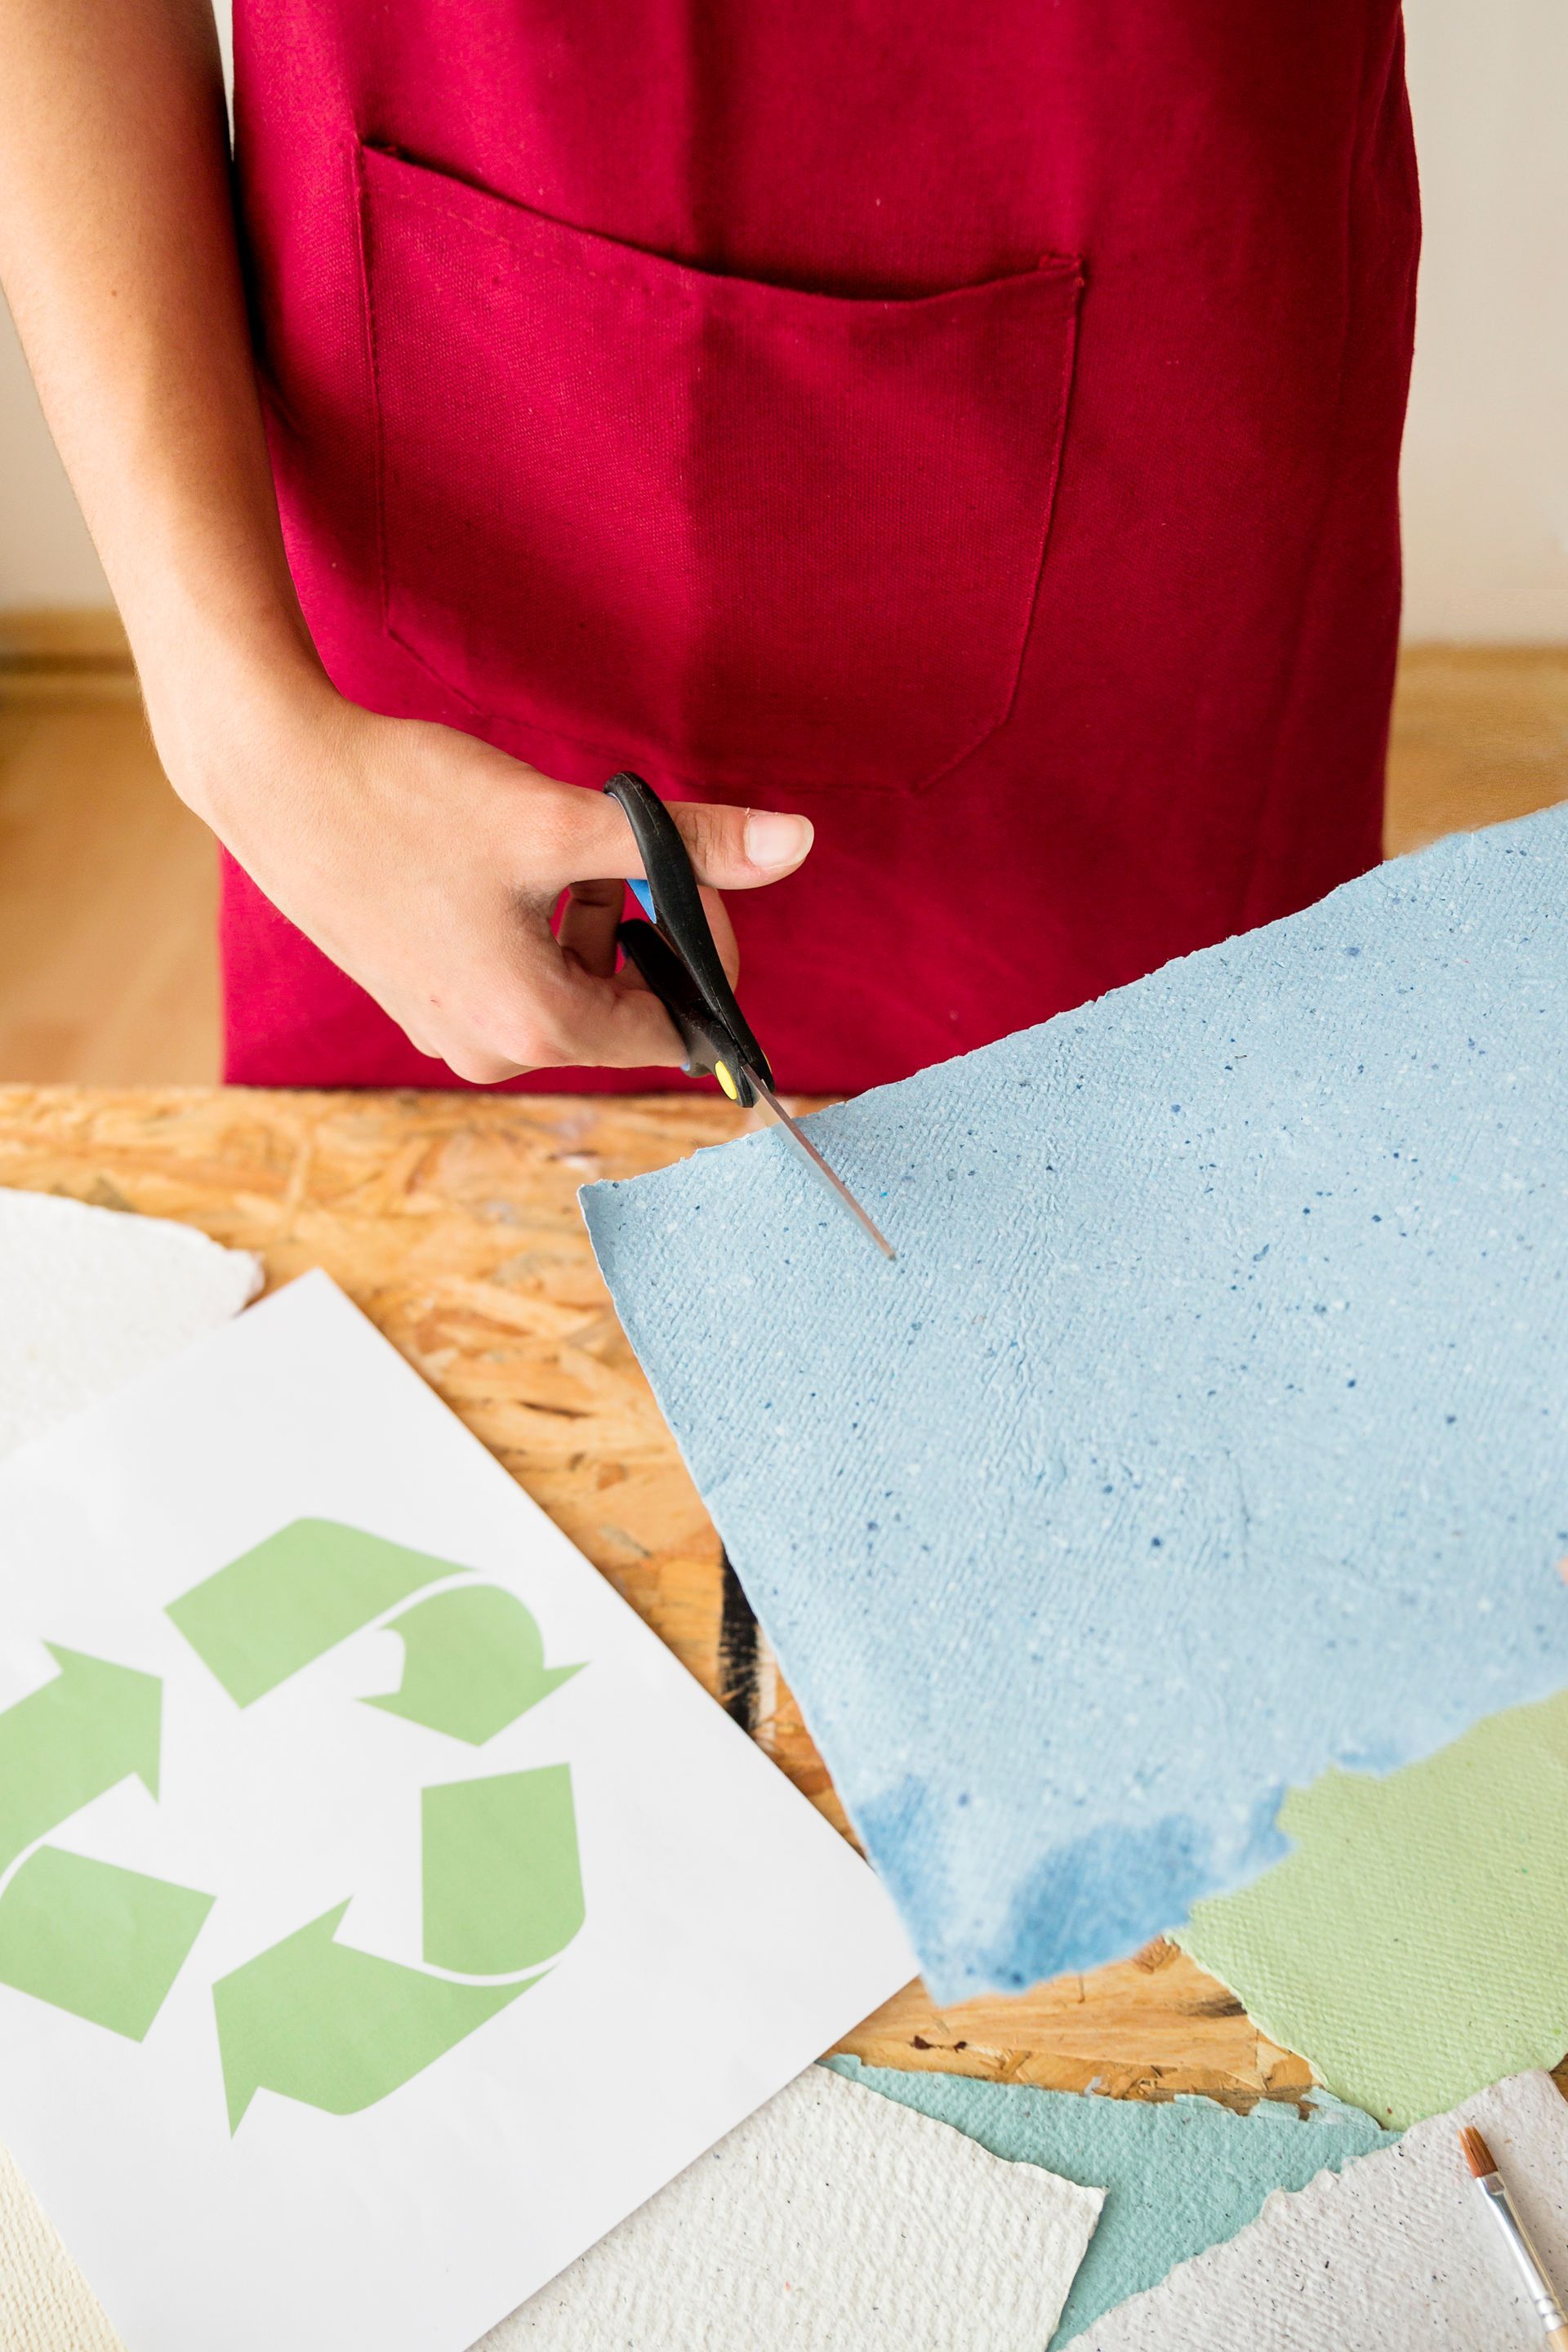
976 427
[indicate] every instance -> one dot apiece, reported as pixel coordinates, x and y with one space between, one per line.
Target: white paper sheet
90 1298
821 2225
722 1915
1397 2253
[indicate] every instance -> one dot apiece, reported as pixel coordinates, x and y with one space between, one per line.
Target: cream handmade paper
1412 1945
831 2221
1397 2253
351 1824
46 2304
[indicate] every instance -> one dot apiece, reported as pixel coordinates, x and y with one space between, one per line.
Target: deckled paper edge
214 1281
1076 2208
1323 2111
1488 2108
1514 2053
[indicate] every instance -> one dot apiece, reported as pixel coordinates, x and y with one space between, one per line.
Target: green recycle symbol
310 2018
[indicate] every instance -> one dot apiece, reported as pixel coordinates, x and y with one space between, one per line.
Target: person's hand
428 866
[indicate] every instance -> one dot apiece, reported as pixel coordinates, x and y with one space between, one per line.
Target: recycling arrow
102 1942
473 1663
310 2018
336 2028
82 1934
503 1889
288 1601
339 2029
94 1725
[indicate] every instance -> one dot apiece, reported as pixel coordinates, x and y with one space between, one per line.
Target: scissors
675 953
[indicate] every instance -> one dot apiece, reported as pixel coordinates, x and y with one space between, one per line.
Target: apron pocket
755 537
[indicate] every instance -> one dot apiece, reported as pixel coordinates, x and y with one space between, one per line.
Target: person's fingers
723 932
477 1068
540 1005
537 1001
628 1029
589 921
567 833
592 917
612 1024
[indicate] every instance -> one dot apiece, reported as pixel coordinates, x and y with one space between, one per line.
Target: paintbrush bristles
1478 2155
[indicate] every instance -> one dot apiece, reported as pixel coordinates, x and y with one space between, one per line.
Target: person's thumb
577 835
737 849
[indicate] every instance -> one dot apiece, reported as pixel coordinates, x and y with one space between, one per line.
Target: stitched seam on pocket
367 317
640 264
1047 515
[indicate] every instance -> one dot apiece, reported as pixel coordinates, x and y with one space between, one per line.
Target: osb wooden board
451 1220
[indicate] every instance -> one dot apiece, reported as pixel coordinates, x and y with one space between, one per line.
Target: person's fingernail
774 840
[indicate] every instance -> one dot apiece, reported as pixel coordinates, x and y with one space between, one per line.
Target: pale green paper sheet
1179 2177
1413 1946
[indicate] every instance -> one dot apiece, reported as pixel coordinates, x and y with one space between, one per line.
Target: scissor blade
798 1135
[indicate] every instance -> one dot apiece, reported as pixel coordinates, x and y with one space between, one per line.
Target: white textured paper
832 2222
1397 2253
90 1298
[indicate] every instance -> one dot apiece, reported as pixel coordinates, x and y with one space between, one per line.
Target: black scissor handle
680 958
710 1050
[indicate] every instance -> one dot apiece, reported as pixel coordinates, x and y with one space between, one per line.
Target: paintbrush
1490 2181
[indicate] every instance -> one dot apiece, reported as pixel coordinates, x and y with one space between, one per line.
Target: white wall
1486 450
46 555
1486 468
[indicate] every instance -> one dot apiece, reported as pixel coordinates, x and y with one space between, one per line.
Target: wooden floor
108 975
108 896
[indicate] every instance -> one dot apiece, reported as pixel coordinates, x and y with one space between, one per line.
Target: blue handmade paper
1179 2177
1210 1428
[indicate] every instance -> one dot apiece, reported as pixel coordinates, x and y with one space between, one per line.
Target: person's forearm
117 254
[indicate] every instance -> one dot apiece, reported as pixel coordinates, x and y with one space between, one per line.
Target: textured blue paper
1178 2177
1211 1428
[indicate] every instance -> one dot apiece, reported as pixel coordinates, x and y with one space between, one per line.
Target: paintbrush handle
1532 2270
